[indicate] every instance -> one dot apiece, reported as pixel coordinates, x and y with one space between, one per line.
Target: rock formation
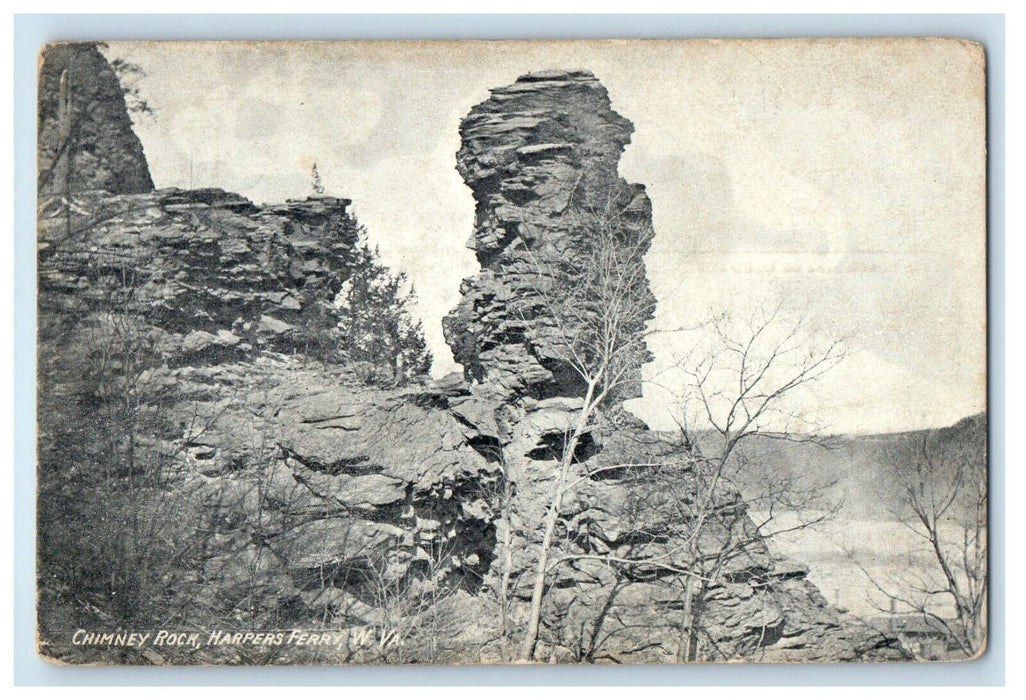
289 492
211 284
539 155
215 273
85 139
535 154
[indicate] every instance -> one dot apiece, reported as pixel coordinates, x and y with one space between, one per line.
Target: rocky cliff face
218 310
192 384
85 139
214 274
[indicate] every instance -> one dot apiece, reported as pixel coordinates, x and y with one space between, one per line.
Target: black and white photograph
512 352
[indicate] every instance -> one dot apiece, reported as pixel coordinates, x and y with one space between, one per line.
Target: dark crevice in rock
487 446
552 445
352 466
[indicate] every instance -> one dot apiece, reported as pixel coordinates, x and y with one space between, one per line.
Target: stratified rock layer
85 138
358 484
540 155
216 275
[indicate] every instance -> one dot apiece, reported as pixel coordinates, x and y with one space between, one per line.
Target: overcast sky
842 180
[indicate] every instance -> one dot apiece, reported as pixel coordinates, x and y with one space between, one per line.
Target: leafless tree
601 309
600 305
117 422
940 479
417 618
742 390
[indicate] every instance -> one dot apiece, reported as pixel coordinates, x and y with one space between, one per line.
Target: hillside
870 532
859 467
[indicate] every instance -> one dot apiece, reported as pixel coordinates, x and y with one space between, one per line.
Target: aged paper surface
507 352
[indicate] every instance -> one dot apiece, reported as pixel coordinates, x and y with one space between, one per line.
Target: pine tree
316 184
377 325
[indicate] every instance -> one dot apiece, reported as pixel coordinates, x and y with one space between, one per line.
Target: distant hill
857 463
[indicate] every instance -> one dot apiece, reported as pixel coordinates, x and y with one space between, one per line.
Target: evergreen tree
376 323
316 184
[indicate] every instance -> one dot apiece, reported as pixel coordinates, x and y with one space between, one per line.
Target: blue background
31 31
